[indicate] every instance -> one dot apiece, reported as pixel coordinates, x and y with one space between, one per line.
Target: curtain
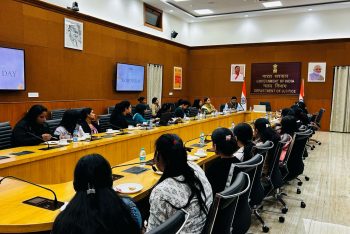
340 116
154 82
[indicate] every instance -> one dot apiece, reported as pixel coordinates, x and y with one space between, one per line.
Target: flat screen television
12 72
129 77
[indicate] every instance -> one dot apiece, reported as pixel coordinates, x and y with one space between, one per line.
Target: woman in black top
88 121
121 116
32 129
166 107
96 208
225 145
243 133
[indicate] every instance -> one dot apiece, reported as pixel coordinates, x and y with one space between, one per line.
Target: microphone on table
28 182
47 142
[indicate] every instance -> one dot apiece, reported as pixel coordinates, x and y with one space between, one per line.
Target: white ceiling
223 9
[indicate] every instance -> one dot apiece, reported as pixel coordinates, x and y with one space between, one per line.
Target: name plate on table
44 203
22 153
136 170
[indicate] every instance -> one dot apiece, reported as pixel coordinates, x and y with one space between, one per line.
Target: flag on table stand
244 97
301 94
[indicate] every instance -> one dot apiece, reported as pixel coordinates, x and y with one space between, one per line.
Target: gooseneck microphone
47 142
28 182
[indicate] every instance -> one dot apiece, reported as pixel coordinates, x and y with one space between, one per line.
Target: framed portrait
73 34
237 72
316 72
177 84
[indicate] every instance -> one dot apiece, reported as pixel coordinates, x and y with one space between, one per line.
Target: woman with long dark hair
96 208
88 121
140 111
183 185
243 133
288 126
166 107
32 129
121 116
207 107
225 146
198 104
68 124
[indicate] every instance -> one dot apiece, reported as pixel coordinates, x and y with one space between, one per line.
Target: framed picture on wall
317 72
73 34
237 72
177 84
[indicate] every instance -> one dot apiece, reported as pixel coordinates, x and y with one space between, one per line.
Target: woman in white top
68 124
183 185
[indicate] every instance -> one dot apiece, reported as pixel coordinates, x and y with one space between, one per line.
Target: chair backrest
172 225
110 109
104 122
267 104
53 124
79 109
192 111
57 114
222 107
147 114
5 135
223 210
263 148
294 156
319 116
253 168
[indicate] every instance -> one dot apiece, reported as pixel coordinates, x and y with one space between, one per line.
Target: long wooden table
57 165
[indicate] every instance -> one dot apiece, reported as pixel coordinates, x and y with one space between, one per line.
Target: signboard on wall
276 78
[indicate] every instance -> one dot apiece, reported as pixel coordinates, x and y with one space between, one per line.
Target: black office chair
104 122
57 114
173 225
147 114
78 109
110 109
267 104
317 124
53 124
224 209
5 135
253 168
192 111
294 165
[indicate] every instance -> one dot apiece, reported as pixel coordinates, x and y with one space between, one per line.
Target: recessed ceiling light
246 15
171 11
309 9
272 4
203 11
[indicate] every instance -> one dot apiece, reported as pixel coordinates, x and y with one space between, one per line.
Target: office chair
253 168
5 135
192 111
104 122
53 124
224 209
110 109
173 225
267 104
294 165
57 114
78 109
317 124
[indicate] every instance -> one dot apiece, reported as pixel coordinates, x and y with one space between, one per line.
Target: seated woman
183 185
138 116
288 126
166 107
207 107
142 100
225 145
198 104
32 129
244 136
121 116
155 106
68 124
263 132
88 121
96 208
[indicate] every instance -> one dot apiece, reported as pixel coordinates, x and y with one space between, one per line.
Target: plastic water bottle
150 125
142 157
267 116
202 139
75 135
250 108
232 126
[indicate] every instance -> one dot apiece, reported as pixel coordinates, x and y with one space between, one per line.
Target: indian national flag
244 97
301 94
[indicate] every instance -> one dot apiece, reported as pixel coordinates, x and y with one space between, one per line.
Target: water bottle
150 125
75 135
202 139
267 116
232 126
142 157
250 108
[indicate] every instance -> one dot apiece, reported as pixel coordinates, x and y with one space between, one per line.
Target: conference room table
57 165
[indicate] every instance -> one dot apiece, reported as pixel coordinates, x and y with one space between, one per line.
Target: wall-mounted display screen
12 71
129 77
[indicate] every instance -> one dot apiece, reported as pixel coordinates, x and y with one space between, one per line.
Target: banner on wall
177 81
276 78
